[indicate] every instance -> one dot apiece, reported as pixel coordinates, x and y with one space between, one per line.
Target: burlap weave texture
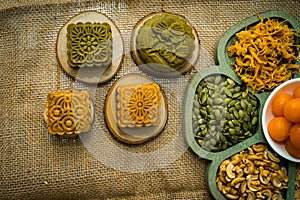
35 165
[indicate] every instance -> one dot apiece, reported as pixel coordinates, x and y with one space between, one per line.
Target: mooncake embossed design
89 45
68 112
138 105
166 39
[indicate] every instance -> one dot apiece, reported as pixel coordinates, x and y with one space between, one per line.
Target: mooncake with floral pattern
68 112
165 44
138 105
89 44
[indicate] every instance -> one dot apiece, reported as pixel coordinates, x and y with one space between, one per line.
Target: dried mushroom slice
138 105
89 45
68 112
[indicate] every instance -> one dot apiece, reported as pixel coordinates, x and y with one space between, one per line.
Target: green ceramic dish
223 68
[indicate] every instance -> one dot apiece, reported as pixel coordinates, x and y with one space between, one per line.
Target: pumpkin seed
218 80
215 149
198 137
202 127
244 104
208 108
254 113
201 121
196 105
245 126
231 115
237 89
230 81
253 102
241 113
226 133
199 89
215 95
203 113
236 95
232 103
223 138
223 111
218 114
230 123
224 146
228 93
200 142
213 142
246 118
236 114
228 100
249 107
196 111
209 101
231 110
213 122
236 122
218 101
194 117
254 121
227 116
232 131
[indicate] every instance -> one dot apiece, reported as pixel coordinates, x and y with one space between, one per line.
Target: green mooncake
89 45
167 40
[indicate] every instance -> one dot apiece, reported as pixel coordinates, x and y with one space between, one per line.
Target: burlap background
35 165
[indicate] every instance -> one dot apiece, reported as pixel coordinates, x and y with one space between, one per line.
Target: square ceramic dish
225 69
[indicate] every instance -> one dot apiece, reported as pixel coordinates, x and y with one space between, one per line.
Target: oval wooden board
87 75
139 134
145 67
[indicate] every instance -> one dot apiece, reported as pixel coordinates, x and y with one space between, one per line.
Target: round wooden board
146 67
88 75
135 135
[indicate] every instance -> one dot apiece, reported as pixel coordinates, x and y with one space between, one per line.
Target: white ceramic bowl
267 115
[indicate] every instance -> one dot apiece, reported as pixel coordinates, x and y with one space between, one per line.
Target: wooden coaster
134 135
152 68
86 74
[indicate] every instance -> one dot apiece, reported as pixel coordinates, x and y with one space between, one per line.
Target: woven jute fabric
35 165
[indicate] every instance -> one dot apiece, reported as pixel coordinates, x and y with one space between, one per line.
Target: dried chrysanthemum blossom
265 54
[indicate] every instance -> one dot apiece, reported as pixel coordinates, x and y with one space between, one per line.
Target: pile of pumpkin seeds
223 114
